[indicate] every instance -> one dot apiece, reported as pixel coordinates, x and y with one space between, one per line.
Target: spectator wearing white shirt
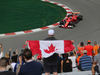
13 64
73 58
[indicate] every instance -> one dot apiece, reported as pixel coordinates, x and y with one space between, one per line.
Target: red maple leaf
51 49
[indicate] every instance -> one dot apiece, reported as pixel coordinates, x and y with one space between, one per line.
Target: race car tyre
73 24
80 17
61 22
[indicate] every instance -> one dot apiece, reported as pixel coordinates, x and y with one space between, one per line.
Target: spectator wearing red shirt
89 48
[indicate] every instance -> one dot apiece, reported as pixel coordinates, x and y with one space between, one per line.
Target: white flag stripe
57 45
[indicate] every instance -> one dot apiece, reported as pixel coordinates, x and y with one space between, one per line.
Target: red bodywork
72 18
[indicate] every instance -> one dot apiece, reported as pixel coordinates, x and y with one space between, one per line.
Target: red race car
71 20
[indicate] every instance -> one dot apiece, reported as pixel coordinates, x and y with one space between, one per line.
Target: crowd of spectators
84 58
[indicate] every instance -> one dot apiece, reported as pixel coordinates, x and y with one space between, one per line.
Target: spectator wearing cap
50 63
51 35
39 59
3 66
30 67
95 48
89 48
85 62
80 47
96 64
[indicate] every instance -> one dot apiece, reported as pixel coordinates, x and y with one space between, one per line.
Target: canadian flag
48 48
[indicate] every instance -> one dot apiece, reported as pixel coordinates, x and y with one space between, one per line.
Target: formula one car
71 20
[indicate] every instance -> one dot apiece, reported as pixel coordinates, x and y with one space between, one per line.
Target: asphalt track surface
88 29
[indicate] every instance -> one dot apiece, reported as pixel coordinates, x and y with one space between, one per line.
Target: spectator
81 48
77 60
10 53
13 64
59 64
89 48
19 63
73 59
95 48
1 54
8 67
66 64
39 59
73 55
7 56
3 70
50 63
15 56
85 62
31 67
96 64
